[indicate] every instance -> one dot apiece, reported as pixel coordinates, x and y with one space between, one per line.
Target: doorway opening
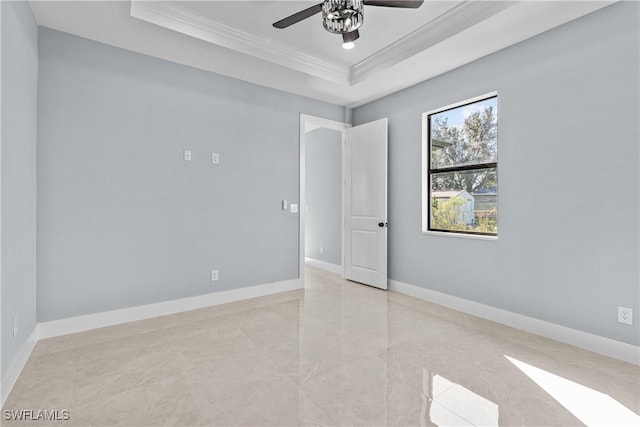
321 198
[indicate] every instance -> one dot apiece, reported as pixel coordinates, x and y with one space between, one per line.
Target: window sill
461 235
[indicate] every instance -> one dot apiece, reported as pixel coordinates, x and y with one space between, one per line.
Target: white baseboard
72 325
11 376
323 265
595 343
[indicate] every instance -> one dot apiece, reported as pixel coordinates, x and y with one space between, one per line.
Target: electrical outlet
285 205
625 315
214 275
215 158
187 155
293 208
15 326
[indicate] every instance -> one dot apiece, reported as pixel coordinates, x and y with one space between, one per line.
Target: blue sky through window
456 116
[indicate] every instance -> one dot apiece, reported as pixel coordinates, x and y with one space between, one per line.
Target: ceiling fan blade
297 17
407 4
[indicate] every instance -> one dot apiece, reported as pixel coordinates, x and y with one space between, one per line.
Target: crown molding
182 20
459 19
439 29
160 32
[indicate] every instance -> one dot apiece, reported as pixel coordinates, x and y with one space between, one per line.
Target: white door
365 232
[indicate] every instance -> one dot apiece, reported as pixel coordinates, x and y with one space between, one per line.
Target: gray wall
323 171
568 247
122 219
18 168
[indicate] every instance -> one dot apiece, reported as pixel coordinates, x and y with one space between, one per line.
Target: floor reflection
334 354
590 406
370 357
448 403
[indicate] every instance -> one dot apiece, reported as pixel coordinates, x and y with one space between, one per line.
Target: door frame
309 121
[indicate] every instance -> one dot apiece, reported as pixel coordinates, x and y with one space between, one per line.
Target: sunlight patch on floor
588 405
453 404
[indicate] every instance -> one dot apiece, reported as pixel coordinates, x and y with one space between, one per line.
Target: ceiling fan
344 16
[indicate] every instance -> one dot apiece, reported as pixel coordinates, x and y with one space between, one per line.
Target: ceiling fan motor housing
342 16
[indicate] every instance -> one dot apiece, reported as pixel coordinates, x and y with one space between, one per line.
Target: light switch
187 155
285 205
215 158
293 208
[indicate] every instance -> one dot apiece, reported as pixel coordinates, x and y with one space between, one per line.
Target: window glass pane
465 135
465 201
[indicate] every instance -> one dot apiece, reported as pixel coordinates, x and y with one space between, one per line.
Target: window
460 182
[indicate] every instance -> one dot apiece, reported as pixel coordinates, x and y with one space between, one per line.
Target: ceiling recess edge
186 22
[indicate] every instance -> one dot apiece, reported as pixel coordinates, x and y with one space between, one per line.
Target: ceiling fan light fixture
348 39
342 16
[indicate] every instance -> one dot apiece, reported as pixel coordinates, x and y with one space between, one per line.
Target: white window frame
426 151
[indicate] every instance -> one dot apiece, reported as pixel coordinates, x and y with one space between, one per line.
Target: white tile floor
337 353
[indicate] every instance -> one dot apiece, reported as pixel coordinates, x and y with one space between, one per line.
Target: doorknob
382 224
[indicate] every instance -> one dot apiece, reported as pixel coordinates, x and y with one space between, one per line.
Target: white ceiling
397 47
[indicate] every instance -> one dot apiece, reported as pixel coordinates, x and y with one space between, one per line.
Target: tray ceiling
397 47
